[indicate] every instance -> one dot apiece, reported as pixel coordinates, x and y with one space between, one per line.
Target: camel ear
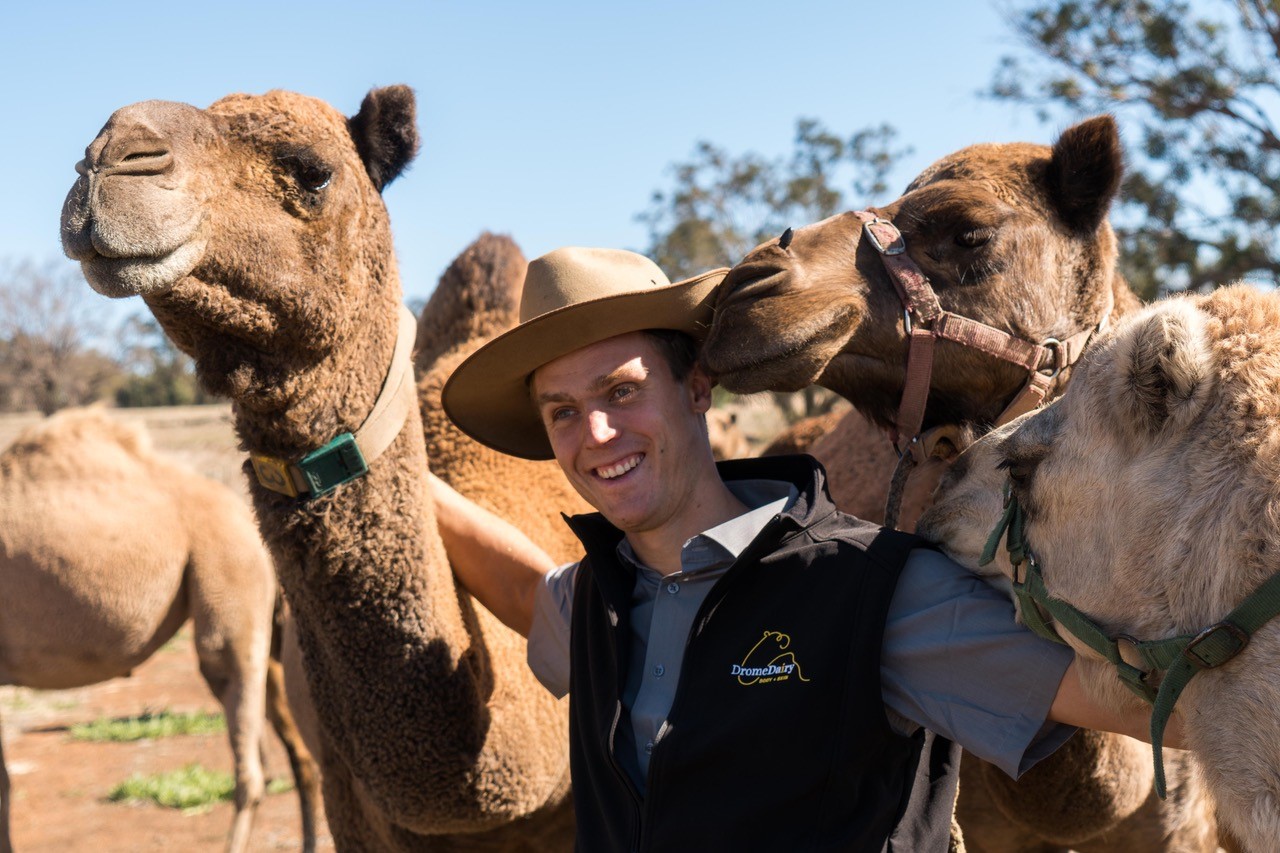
1162 370
1084 172
386 132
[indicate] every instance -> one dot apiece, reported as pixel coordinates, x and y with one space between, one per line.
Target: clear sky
551 121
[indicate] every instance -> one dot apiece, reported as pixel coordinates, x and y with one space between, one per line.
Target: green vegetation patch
193 788
149 726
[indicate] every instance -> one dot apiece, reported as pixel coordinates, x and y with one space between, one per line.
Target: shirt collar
723 543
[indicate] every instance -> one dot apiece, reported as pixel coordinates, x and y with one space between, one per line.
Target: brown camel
256 234
1151 501
106 549
1014 236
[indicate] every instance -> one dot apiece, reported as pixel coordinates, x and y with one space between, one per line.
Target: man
748 669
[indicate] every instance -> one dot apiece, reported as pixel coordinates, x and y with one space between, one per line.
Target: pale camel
256 233
1014 236
728 441
106 549
1152 506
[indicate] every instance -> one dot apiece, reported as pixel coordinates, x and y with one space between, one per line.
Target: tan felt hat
572 298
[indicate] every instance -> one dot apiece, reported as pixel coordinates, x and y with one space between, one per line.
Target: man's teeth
619 469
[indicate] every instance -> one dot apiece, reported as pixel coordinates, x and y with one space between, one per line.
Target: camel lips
621 468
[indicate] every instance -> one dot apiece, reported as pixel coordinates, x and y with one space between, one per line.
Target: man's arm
493 560
1073 706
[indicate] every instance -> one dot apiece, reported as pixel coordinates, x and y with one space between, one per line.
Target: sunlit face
629 436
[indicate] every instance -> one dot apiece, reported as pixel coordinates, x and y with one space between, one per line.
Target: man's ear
699 384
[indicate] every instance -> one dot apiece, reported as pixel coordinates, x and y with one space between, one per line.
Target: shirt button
648 747
673 587
659 670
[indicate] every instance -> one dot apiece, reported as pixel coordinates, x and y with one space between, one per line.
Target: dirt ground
60 785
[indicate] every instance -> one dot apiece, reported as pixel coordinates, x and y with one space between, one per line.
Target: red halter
925 321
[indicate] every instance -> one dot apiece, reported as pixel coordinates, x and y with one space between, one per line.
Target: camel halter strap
925 320
1170 663
348 456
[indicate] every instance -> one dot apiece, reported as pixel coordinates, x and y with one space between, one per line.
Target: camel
89 594
1151 505
255 232
1011 235
728 441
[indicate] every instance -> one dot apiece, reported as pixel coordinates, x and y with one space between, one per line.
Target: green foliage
157 372
193 788
149 726
1196 86
722 205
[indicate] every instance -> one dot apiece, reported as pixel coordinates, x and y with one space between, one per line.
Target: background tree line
1194 86
58 349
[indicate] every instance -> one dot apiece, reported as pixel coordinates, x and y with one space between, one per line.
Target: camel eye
1019 471
311 173
974 237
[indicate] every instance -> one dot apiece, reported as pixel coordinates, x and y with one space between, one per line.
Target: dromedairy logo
758 667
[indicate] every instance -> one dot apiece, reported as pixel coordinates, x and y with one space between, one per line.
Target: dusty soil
60 785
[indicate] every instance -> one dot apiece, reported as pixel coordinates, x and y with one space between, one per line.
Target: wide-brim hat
572 298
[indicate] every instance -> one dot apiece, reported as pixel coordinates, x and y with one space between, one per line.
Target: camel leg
306 773
6 843
238 677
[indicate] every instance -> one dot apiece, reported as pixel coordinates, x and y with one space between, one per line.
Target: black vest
777 738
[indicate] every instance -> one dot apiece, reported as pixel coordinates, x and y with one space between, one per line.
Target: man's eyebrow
604 380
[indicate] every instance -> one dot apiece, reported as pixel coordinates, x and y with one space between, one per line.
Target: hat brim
488 396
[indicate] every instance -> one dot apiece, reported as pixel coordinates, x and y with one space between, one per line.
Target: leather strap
348 456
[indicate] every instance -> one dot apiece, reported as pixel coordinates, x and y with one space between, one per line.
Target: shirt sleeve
955 661
548 654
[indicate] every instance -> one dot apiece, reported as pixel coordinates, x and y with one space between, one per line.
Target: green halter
1177 658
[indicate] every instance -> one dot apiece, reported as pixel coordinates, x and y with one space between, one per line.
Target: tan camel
255 232
1014 236
106 549
728 441
1152 506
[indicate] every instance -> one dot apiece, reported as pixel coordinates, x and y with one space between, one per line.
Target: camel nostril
135 150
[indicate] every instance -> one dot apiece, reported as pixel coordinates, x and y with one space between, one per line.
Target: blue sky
551 121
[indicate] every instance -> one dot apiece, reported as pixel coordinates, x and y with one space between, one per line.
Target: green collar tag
340 461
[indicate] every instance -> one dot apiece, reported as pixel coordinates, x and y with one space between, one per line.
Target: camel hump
71 433
477 297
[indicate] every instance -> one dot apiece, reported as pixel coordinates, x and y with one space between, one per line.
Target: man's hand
1074 707
492 560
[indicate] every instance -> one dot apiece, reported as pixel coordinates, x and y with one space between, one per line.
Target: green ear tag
340 461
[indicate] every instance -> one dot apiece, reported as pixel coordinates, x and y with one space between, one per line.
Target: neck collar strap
348 456
1169 664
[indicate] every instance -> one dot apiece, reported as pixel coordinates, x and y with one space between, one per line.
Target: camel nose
135 141
135 149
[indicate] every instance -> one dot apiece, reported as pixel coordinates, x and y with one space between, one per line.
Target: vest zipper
717 594
636 803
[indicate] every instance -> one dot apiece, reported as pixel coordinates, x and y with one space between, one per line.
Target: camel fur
1152 503
1011 235
256 233
106 549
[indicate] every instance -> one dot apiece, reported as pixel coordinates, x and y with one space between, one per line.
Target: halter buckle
1054 346
897 247
1216 654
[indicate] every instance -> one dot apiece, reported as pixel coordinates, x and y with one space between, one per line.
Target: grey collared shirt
953 658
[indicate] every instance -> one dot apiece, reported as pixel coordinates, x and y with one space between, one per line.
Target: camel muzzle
131 219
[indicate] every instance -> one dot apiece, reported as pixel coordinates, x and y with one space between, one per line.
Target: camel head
1014 236
1150 487
254 229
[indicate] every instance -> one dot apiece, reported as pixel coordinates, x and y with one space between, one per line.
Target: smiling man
749 669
